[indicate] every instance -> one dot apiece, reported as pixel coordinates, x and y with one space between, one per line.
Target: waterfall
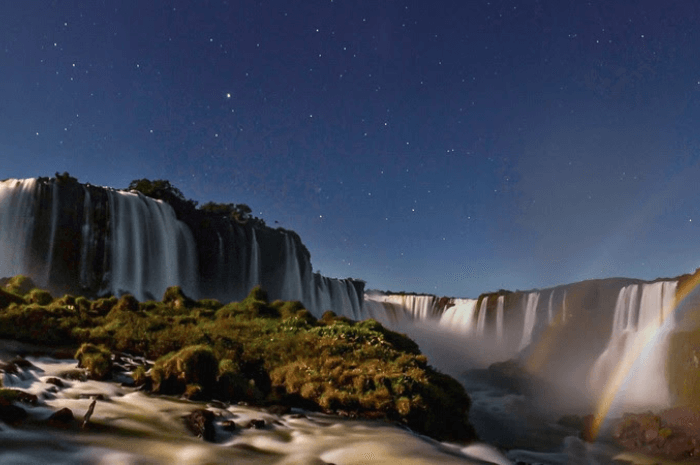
52 236
87 237
459 317
254 274
481 321
563 308
151 250
17 203
499 320
638 346
291 287
530 311
550 316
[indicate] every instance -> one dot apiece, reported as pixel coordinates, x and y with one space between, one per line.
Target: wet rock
13 366
27 398
9 368
11 414
74 375
201 423
61 418
255 424
22 363
279 409
55 381
228 425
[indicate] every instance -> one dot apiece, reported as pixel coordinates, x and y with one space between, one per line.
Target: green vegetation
97 360
253 351
162 190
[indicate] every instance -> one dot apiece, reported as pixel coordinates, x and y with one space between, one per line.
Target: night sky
451 147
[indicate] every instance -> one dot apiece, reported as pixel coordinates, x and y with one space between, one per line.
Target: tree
161 189
239 212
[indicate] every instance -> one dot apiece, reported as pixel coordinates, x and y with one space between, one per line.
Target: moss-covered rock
176 298
96 359
20 285
7 298
39 297
192 365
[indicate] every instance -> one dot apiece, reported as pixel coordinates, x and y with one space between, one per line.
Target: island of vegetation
254 351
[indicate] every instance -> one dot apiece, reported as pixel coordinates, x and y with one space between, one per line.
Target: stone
255 424
201 423
11 414
61 418
55 381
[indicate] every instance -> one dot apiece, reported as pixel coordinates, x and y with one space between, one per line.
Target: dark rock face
201 423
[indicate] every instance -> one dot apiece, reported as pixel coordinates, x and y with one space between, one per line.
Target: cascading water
52 236
291 280
146 236
254 274
459 318
530 318
499 320
17 202
481 320
637 349
87 234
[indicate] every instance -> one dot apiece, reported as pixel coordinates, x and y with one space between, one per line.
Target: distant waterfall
481 320
530 318
17 203
459 317
638 345
52 236
499 320
254 274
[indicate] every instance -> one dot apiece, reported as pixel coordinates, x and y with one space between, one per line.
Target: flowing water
131 427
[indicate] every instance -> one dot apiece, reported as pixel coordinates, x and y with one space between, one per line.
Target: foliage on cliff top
256 351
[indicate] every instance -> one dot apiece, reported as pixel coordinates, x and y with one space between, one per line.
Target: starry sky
451 147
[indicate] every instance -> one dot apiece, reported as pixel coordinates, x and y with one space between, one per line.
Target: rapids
131 427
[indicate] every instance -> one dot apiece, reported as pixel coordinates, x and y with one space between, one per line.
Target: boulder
61 418
11 414
201 423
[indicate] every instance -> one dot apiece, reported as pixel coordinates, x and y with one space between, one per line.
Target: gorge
604 346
